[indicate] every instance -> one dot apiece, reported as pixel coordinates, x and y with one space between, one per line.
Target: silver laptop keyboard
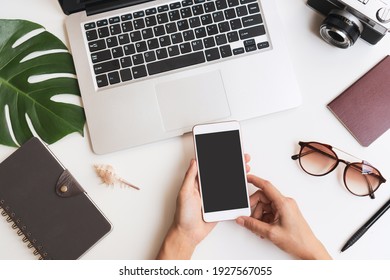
169 37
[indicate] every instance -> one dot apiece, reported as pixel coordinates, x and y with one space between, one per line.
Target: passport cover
47 205
364 107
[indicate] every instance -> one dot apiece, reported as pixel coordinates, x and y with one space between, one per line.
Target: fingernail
240 221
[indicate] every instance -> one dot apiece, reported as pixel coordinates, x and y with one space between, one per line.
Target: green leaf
46 54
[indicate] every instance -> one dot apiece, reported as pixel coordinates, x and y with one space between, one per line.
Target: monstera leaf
34 70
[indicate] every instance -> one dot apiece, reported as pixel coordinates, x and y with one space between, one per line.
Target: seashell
107 173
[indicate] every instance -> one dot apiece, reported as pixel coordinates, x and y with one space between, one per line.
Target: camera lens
336 36
341 29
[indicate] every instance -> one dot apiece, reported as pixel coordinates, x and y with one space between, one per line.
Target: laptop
151 70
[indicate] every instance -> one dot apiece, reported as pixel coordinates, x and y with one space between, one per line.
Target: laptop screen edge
95 6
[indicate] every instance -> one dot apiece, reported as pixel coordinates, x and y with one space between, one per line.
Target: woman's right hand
278 218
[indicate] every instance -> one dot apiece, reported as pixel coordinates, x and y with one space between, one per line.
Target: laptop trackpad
192 100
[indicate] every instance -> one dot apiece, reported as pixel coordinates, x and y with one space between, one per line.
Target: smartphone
221 171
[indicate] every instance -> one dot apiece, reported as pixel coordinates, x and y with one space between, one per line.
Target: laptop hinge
107 6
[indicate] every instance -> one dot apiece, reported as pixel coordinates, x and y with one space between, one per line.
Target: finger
258 196
267 208
258 227
275 211
254 199
190 177
257 213
247 158
269 190
268 218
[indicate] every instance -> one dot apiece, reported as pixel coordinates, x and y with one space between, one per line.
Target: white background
141 218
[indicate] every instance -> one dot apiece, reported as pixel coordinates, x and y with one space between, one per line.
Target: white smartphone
221 171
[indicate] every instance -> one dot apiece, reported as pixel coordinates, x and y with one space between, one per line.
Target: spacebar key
175 63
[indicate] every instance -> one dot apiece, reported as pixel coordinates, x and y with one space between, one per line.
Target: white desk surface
141 218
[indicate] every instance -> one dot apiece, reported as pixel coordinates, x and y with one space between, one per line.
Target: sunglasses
360 178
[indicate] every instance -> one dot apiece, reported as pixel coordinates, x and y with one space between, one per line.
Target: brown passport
47 205
364 107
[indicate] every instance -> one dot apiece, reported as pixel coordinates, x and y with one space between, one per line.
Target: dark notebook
47 205
364 107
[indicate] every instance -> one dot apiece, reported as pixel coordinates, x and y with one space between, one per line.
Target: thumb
190 176
257 227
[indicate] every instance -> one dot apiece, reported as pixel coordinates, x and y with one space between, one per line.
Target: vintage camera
347 20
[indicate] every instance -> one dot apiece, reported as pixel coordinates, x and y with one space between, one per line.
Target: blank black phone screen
222 174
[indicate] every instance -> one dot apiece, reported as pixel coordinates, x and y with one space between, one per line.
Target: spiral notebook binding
22 231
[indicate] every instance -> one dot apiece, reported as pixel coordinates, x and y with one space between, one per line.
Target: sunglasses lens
317 159
361 179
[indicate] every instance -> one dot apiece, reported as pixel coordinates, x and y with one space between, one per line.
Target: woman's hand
188 228
278 218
